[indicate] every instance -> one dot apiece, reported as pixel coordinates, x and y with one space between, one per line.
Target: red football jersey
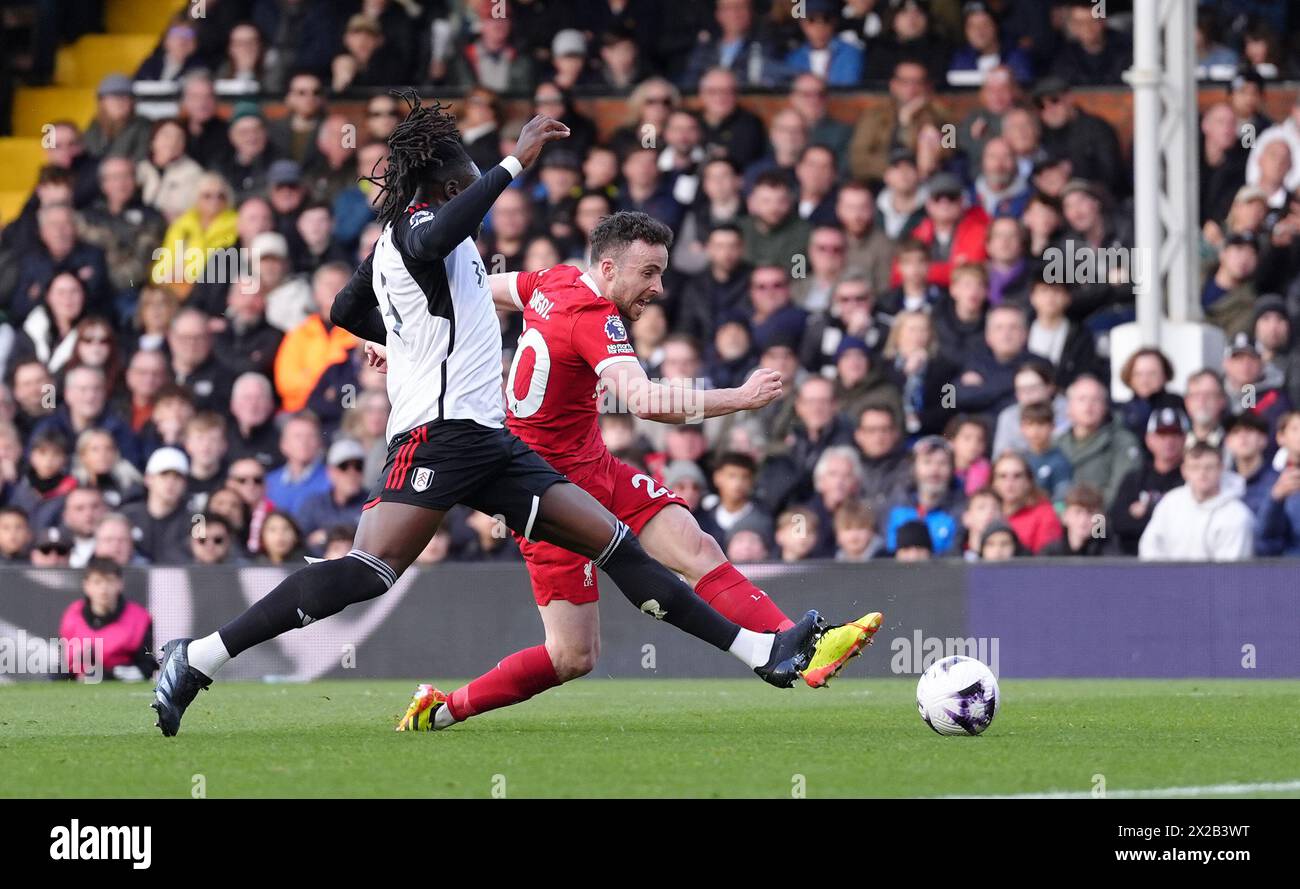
571 334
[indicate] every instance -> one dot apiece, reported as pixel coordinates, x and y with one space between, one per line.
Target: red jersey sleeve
599 337
522 285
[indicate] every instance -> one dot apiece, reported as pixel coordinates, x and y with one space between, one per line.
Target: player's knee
572 660
704 554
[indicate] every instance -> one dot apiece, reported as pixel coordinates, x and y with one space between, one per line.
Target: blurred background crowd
168 400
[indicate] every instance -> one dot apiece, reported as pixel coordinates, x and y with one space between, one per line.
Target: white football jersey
444 339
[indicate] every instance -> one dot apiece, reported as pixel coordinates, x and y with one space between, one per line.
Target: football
957 696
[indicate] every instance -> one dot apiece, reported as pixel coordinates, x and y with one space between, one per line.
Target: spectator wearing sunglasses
247 478
215 544
294 135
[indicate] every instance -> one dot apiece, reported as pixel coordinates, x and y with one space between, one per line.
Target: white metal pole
1179 140
1145 79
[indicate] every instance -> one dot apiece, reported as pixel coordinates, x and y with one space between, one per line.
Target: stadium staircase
133 29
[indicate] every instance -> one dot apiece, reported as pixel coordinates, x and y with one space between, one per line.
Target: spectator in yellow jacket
315 344
208 225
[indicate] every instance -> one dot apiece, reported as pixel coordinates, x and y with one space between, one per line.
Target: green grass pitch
655 738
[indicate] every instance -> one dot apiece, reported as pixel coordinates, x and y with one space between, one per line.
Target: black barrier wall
1039 618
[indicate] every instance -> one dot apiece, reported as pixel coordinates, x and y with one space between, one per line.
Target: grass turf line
664 737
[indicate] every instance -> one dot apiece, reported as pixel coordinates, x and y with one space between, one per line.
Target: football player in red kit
573 360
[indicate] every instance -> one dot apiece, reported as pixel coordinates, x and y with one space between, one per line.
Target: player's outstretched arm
355 308
504 295
461 216
683 402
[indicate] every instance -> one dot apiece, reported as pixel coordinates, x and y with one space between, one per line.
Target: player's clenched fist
762 388
377 357
536 133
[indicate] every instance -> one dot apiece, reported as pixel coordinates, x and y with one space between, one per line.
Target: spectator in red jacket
954 232
1027 509
104 634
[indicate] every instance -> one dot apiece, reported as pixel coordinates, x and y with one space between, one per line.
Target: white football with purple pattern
957 696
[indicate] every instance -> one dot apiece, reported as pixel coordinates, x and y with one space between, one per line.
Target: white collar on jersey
586 278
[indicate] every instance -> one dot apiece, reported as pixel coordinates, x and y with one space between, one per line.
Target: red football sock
735 598
517 678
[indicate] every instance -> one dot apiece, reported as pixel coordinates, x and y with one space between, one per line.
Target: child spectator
102 617
1051 470
970 443
913 542
797 531
856 539
1000 543
1085 525
983 508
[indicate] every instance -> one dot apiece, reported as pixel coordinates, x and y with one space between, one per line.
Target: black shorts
446 462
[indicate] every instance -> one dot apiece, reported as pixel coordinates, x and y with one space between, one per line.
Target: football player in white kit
423 293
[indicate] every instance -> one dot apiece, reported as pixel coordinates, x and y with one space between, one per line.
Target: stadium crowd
167 400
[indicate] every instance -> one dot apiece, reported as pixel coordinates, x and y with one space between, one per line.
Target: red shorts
631 495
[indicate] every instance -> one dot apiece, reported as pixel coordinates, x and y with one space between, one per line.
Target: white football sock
443 718
208 655
753 648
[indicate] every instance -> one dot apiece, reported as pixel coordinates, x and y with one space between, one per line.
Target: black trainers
178 684
792 651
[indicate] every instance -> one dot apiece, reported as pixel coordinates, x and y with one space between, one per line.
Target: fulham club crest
422 479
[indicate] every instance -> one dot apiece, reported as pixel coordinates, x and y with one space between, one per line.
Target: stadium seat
139 16
36 106
21 160
11 204
85 62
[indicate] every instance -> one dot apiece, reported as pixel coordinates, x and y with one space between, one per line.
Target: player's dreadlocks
424 142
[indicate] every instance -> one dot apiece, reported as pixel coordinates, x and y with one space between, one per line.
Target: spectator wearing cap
686 479
1252 386
303 474
934 498
882 128
921 371
837 60
1147 373
315 344
175 55
15 535
103 620
208 227
1228 294
732 44
1088 141
117 130
194 364
735 509
909 37
51 549
983 50
913 542
1203 520
1161 472
570 63
341 504
294 134
491 60
1084 525
287 297
1222 161
1287 133
901 203
886 470
286 191
1245 446
251 151
954 232
1094 54
161 522
773 231
729 130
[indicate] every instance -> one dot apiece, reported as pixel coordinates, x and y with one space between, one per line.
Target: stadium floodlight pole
1164 163
1145 79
